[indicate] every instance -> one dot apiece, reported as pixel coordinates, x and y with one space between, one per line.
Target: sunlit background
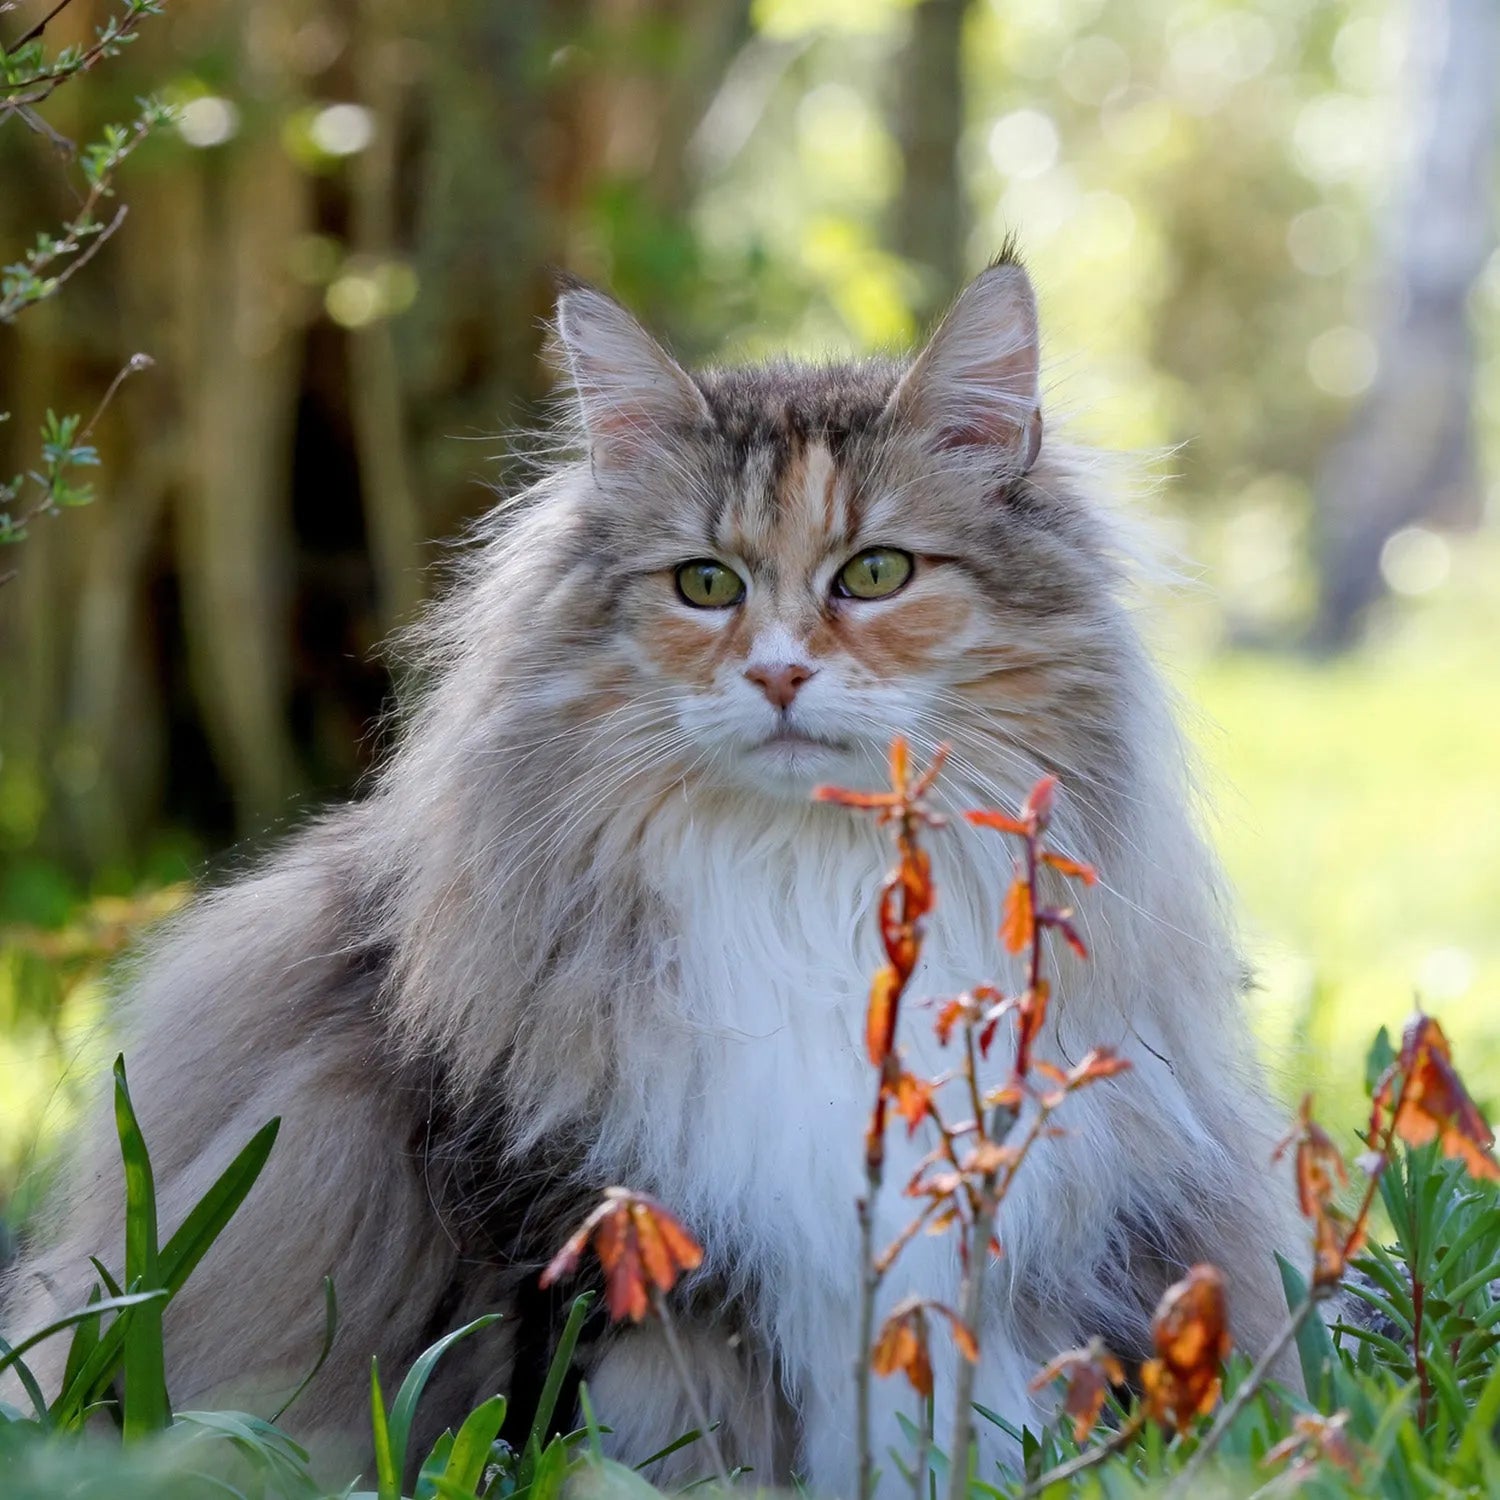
1263 237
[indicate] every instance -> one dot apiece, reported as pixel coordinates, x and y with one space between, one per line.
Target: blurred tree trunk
377 401
1408 453
931 223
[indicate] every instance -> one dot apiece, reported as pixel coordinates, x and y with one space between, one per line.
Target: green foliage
1401 1406
28 76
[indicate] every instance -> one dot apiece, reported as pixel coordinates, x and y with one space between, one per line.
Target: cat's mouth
787 738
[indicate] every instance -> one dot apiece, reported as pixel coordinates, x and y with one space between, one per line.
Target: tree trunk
1408 453
930 223
240 387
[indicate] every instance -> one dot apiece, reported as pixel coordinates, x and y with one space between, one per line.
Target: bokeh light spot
1342 361
1024 144
208 121
342 129
1415 561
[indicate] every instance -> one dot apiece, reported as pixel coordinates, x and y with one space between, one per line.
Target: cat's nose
779 684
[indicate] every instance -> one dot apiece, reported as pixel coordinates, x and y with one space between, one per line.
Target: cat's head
801 561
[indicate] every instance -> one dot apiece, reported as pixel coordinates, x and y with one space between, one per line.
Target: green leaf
144 1359
471 1448
387 1471
432 1467
1479 1428
557 1372
69 1320
28 1380
397 1433
1380 1056
85 1341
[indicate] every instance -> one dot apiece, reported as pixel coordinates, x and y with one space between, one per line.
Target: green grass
1358 811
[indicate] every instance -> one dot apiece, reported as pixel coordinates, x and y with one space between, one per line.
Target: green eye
875 574
707 584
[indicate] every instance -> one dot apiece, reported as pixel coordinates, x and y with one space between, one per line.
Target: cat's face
797 625
810 561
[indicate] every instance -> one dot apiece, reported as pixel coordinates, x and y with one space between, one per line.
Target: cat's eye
874 574
707 584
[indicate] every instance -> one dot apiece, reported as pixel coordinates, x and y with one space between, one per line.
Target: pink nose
779 684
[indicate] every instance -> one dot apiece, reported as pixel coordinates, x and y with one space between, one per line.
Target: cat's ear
630 391
976 383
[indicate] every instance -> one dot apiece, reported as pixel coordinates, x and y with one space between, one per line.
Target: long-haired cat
589 928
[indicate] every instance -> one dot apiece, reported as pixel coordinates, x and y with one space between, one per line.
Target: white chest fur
745 1102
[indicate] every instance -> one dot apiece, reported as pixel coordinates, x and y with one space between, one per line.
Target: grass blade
178 1258
557 1372
85 1341
28 1380
144 1360
330 1328
12 1357
1315 1351
387 1471
182 1252
404 1408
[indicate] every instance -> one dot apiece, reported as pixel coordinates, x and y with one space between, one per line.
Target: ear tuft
976 384
630 391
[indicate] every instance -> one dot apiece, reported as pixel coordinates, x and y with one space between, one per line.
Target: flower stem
869 1284
689 1388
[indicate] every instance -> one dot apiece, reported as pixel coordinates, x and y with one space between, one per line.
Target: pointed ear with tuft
630 390
975 385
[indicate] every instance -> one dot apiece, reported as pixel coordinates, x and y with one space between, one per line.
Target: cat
588 927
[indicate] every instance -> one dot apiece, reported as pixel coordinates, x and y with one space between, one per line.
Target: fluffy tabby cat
588 927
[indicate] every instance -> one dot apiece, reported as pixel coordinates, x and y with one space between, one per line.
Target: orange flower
1320 1173
904 800
902 1344
913 1100
1091 1373
880 1017
640 1245
1073 869
1433 1103
1191 1333
1018 920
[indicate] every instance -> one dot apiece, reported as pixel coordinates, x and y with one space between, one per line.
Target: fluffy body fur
588 927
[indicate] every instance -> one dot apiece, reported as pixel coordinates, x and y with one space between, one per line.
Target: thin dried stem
1070 1468
689 1386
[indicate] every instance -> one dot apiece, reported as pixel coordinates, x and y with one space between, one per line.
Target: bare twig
41 25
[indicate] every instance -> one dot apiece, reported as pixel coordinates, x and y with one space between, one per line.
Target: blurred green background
1263 237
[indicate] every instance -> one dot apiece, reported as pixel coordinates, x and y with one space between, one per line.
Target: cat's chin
791 764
